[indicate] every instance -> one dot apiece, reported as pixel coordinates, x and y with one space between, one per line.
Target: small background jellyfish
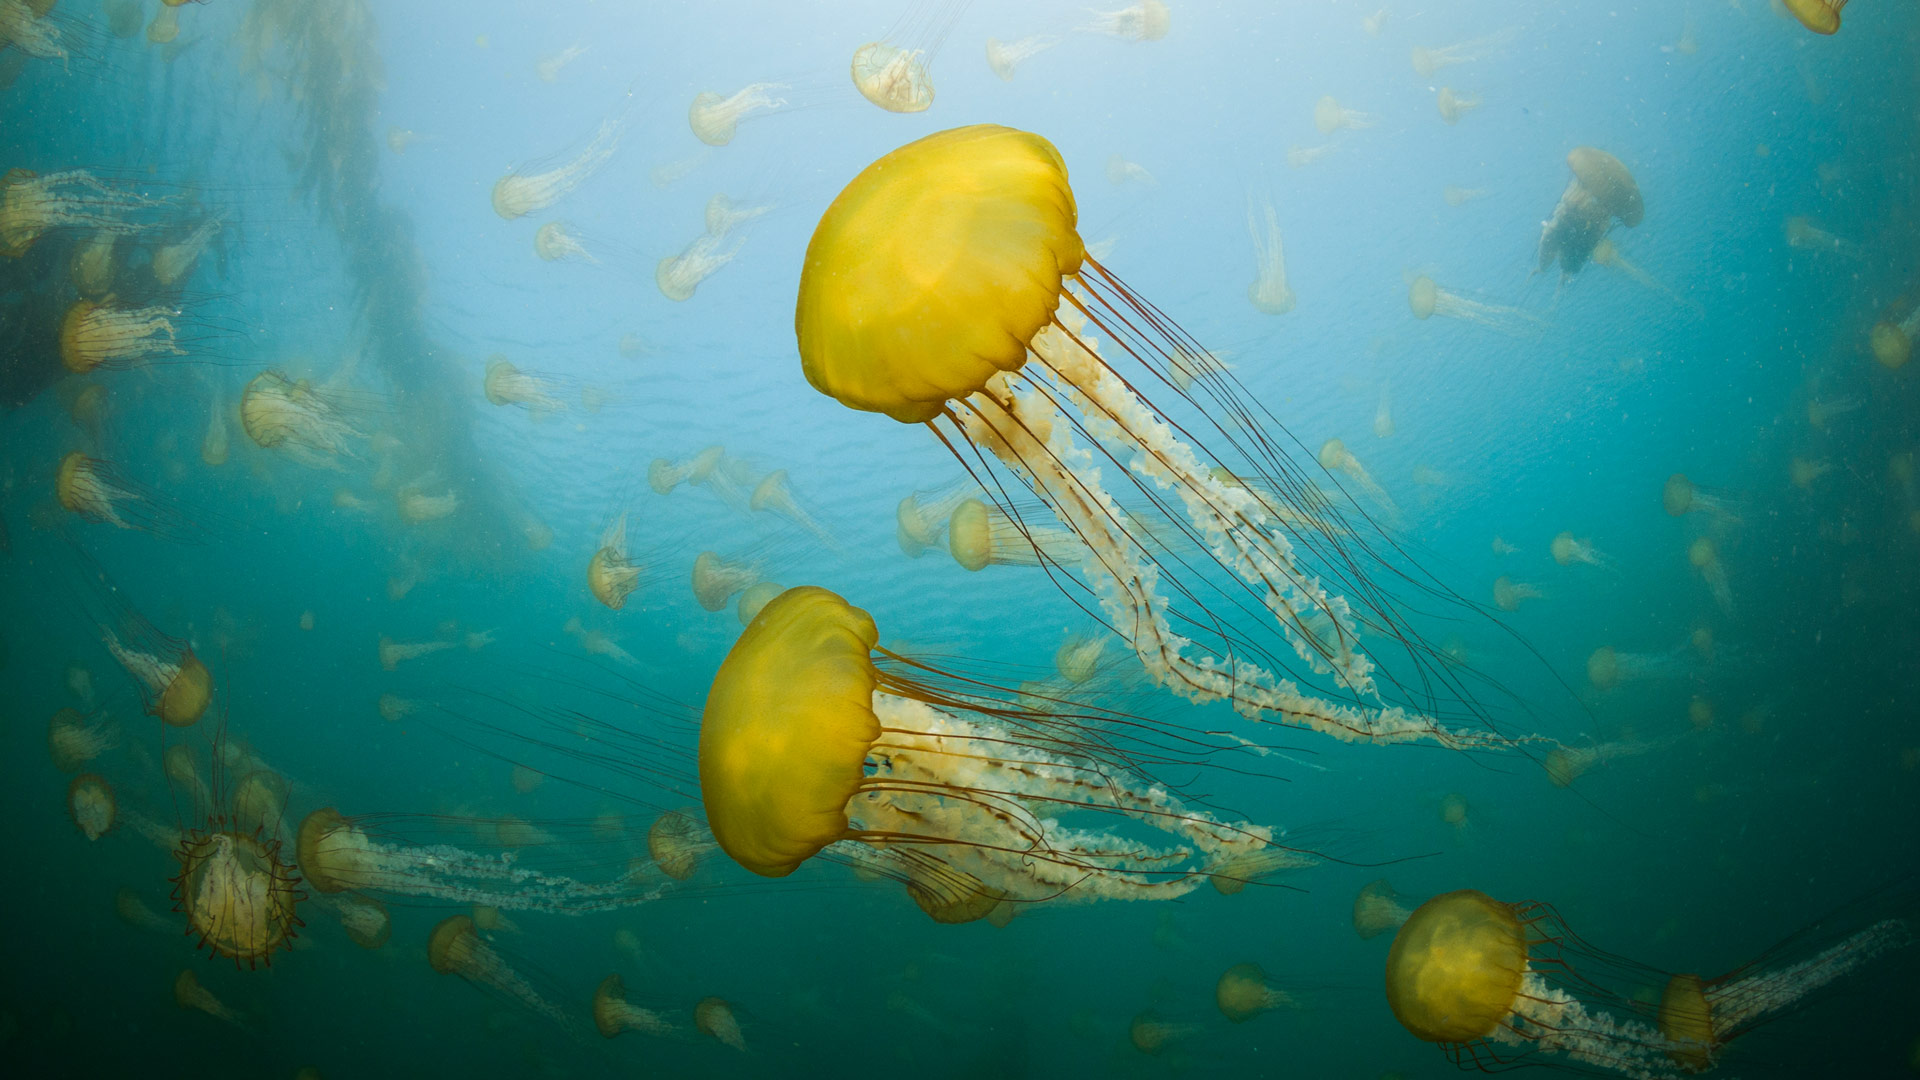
894 70
1426 299
458 947
537 185
174 684
714 118
1269 293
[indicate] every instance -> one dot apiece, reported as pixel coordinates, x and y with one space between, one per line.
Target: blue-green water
350 151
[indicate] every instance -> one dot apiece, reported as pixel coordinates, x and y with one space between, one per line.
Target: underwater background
349 151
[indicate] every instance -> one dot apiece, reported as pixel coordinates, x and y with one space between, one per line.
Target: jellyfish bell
774 495
456 948
920 521
1601 192
316 426
1454 105
1568 549
716 579
34 205
1005 57
676 840
97 491
108 334
1148 20
91 804
1819 16
1426 299
524 190
237 894
755 597
613 1015
1377 909
1245 992
188 993
714 1018
714 118
981 534
1891 339
893 78
556 241
1330 116
74 738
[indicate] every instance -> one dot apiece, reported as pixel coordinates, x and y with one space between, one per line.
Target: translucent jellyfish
714 118
95 491
905 309
1568 549
754 597
1455 195
106 334
724 215
1269 292
894 78
715 579
1330 116
456 948
1336 458
1453 105
419 506
364 918
730 478
1004 57
612 573
182 770
173 262
1079 657
920 521
1608 667
597 643
32 206
1148 20
1803 234
394 653
1819 16
555 241
980 535
1244 992
1892 337
773 495
1607 255
74 739
92 265
1565 764
714 1018
135 913
91 805
677 841
314 425
1121 172
165 25
24 25
1374 23
506 384
1153 1035
1821 411
1704 555
613 1015
399 138
524 191
187 991
237 894
259 803
1601 191
964 796
1428 299
214 443
679 275
1299 157
551 65
1501 547
1509 594
1682 496
1231 875
1497 983
1378 909
1805 473
1383 413
1427 60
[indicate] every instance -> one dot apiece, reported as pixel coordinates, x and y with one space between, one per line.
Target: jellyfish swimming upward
947 285
810 743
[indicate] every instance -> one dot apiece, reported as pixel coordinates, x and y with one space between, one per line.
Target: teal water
350 151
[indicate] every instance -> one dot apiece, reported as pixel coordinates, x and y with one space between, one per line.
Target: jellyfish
1820 412
417 506
1486 979
1079 656
237 894
92 266
968 798
399 138
1568 549
1892 338
1426 60
712 468
1802 233
1428 299
1509 594
1454 105
549 67
174 685
1682 496
894 78
165 25
676 840
1231 875
187 991
1704 555
214 444
920 521
1330 116
364 918
679 275
1601 191
612 574
394 653
1147 20
74 739
106 334
24 25
1565 764
1607 255
1608 667
714 118
94 490
91 804
1269 292
715 579
1378 909
724 215
506 384
1455 195
556 241
1152 1035
596 643
1501 547
32 205
1819 16
135 913
1004 57
313 425
522 192
1243 993
1336 458
1374 23
1383 414
754 597
259 802
980 535
1299 157
612 1015
1120 172
714 1018
456 948
183 776
774 496
172 263
905 309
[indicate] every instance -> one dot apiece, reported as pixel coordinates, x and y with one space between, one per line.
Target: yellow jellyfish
1607 255
613 1015
1565 764
1568 549
1428 299
754 597
91 804
506 384
1501 547
1336 458
1079 656
1821 411
525 191
597 643
165 25
1005 57
1153 1036
773 495
92 265
94 490
550 66
724 215
968 802
1231 875
174 685
1378 909
418 506
612 574
32 205
135 913
1330 116
237 894
1299 157
172 263
1454 105
1509 594
1892 337
365 919
456 948
1681 496
1608 667
905 309
1269 292
716 580
1819 16
714 1018
556 241
74 739
1803 234
1148 20
714 118
981 534
24 25
187 991
1602 190
394 653
1704 555
106 334
314 425
1497 983
728 477
1455 195
920 521
677 840
679 275
1428 60
1244 992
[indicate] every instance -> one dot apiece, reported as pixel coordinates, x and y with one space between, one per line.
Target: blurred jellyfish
456 948
259 803
1509 594
1269 292
74 739
612 574
165 25
1152 1035
1501 547
174 685
1121 172
187 991
1819 16
550 66
679 275
613 1015
524 191
107 334
394 653
1244 992
597 643
399 138
1231 875
1330 116
727 477
1427 60
1821 411
1453 106
1079 656
95 491
1147 20
1378 909
1336 458
1428 299
1374 23
1608 667
1565 764
755 597
1803 234
1704 555
1804 473
714 118
1601 191
1682 496
506 384
724 215
556 242
980 535
418 506
1383 413
135 913
91 804
24 25
32 206
715 579
314 425
773 495
1568 549
92 266
920 521
1892 337
1004 57
172 263
214 443
677 841
1299 157
1455 195
363 918
714 1018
